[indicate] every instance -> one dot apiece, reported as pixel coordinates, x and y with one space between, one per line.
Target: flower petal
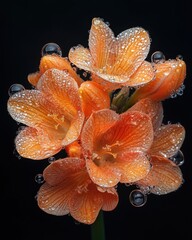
106 85
97 124
85 206
144 74
31 108
81 57
152 108
57 171
110 199
164 177
33 78
132 131
62 90
104 176
36 145
60 63
168 78
133 166
133 47
62 178
54 199
93 97
168 140
101 45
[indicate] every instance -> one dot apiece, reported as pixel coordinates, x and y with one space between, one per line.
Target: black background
26 27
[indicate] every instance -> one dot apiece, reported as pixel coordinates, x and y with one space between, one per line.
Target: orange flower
69 190
53 61
115 146
52 113
168 79
115 59
165 176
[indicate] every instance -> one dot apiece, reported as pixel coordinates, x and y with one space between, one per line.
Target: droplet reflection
51 48
14 88
157 57
178 158
137 198
39 178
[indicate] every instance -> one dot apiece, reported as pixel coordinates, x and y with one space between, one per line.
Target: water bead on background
137 198
39 178
178 158
157 57
51 48
14 88
179 56
51 159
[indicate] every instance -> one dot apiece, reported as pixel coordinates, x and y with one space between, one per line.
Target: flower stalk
98 228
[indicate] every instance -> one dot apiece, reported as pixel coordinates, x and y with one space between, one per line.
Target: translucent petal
164 177
93 97
102 45
168 140
133 47
31 108
132 131
85 206
152 108
133 166
97 124
36 145
81 57
144 74
54 199
60 63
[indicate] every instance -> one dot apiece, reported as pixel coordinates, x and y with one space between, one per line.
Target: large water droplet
51 48
178 158
137 198
14 88
157 57
39 178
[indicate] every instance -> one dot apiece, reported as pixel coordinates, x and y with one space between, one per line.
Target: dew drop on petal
51 48
51 159
39 178
178 158
14 88
157 57
137 198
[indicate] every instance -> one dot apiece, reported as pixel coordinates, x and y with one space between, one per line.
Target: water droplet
14 88
51 48
157 57
51 159
39 178
179 56
178 158
137 198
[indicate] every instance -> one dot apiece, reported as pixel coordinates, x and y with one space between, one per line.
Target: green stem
98 228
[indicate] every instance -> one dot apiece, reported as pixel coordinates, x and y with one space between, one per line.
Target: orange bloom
115 146
52 113
68 189
53 61
164 176
169 77
118 59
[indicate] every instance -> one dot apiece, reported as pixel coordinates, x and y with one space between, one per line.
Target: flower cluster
109 125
